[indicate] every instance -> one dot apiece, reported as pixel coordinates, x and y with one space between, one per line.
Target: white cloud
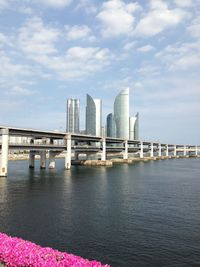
130 45
79 32
186 62
87 6
148 70
117 18
3 39
14 76
39 43
158 19
55 3
78 62
137 86
20 91
35 38
11 69
145 49
184 3
194 28
26 10
83 61
180 56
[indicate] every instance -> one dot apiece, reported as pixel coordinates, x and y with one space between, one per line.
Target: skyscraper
93 116
134 127
73 110
132 121
121 114
111 127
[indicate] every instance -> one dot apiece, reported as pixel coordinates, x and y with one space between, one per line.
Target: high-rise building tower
132 121
121 114
73 110
111 127
134 127
93 116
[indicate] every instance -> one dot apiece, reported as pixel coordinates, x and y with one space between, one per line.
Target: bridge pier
167 151
103 153
159 150
52 162
68 153
4 152
43 159
151 151
125 153
32 160
196 151
175 154
76 155
185 151
141 150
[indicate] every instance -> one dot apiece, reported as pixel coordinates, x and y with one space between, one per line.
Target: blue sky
52 50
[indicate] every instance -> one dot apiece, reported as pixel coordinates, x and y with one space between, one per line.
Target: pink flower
16 252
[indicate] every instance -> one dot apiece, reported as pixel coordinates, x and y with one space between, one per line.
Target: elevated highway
72 145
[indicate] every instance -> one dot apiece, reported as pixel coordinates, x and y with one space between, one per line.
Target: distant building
93 116
110 126
132 121
73 113
134 127
121 114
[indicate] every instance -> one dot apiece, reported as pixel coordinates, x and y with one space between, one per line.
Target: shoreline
114 160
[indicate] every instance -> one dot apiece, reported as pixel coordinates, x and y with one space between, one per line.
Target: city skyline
54 50
118 124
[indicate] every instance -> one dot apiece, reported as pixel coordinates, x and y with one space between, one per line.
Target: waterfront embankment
108 163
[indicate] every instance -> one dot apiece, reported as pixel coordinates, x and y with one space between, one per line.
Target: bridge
72 145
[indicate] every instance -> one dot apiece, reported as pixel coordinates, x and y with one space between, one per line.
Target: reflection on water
145 214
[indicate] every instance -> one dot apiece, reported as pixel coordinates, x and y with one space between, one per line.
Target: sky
51 50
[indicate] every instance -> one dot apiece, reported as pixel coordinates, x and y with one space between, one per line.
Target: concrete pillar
151 153
51 141
31 159
43 159
4 152
125 154
76 155
68 154
196 151
167 151
175 154
103 153
185 151
159 150
52 163
141 150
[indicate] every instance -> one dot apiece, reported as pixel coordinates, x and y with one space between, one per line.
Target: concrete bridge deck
71 144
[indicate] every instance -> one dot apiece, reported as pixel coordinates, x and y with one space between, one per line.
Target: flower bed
16 252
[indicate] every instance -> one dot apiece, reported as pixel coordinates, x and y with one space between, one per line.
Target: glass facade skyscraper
134 127
73 111
121 114
111 127
132 121
93 116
